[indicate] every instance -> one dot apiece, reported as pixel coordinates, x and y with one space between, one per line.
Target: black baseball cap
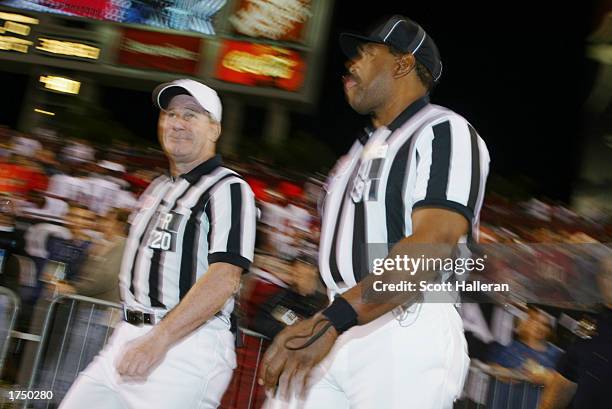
402 34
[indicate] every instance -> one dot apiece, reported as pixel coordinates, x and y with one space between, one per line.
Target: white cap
117 167
206 96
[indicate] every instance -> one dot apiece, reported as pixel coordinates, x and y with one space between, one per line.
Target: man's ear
217 131
405 64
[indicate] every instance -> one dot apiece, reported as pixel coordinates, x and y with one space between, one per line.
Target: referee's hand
141 356
287 372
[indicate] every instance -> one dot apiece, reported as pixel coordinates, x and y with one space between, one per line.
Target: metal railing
489 388
49 365
57 346
7 321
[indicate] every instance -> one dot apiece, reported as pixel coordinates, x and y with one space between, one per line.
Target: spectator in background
105 185
39 205
275 218
25 146
98 277
71 253
584 375
36 246
299 216
529 357
48 162
10 244
258 186
70 185
139 179
78 152
20 175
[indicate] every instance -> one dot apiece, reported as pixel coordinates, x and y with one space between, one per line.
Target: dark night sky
515 70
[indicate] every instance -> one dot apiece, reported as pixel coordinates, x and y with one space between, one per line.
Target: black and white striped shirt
428 156
183 225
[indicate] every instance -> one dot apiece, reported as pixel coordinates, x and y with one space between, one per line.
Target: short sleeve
232 217
452 166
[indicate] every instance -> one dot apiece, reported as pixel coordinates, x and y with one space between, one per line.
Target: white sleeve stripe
249 220
460 169
220 202
233 219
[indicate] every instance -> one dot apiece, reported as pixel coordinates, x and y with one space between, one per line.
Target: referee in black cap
413 182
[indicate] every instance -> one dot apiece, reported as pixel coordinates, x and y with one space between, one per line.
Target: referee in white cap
413 183
190 240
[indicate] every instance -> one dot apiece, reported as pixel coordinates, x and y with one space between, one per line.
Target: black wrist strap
341 314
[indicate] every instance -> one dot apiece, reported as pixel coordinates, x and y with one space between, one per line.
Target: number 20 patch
163 237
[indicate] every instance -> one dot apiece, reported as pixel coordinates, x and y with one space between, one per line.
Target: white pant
419 363
194 374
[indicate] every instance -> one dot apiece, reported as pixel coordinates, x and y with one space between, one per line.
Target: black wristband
341 314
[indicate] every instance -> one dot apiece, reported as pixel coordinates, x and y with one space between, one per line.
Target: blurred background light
60 84
42 111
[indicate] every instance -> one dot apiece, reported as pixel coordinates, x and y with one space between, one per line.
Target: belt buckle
133 317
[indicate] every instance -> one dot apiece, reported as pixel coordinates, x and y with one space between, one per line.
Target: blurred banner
160 51
184 15
260 65
68 48
285 21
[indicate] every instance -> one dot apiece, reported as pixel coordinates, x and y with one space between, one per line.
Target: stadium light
60 84
18 18
68 48
17 28
8 43
42 111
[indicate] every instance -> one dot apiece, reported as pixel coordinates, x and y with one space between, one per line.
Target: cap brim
165 92
349 43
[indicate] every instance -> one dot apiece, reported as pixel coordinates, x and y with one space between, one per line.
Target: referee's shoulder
458 123
155 182
228 176
440 114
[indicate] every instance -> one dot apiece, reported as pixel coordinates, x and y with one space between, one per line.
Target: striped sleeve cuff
449 205
230 258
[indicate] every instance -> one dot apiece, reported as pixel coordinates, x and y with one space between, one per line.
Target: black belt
136 317
139 318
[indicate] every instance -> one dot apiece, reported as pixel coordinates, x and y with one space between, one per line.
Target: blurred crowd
64 215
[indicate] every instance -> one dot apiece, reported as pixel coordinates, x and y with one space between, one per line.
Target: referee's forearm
201 303
370 304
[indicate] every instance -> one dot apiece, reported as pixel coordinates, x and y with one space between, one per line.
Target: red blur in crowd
21 178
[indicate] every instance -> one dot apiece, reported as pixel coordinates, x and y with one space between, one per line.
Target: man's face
185 130
369 83
536 325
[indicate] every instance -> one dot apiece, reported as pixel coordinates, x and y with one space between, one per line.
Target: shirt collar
409 112
365 133
404 116
202 169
